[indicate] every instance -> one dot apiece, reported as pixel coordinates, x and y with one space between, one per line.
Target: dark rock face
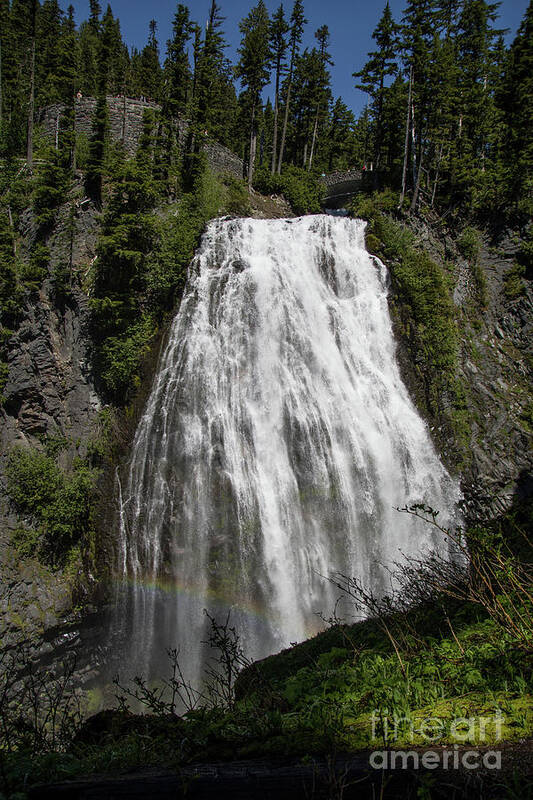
49 392
495 362
49 387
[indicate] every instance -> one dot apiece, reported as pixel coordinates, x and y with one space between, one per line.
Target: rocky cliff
495 319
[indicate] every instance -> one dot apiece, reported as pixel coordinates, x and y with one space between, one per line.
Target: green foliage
469 243
300 188
236 200
122 355
97 149
513 282
36 270
429 667
58 502
423 309
82 151
143 259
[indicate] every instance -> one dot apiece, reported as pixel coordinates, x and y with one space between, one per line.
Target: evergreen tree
296 31
393 129
253 68
88 57
278 44
417 38
120 328
214 99
4 38
50 54
95 9
97 147
516 102
68 59
113 56
340 149
476 93
177 68
381 64
149 75
34 5
320 81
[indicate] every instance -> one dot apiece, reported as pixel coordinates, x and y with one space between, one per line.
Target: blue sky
350 22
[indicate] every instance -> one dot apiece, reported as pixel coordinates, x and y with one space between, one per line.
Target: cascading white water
276 443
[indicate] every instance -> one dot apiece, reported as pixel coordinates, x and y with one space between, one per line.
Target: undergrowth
446 659
300 188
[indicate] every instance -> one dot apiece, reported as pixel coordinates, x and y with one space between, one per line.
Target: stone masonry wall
125 125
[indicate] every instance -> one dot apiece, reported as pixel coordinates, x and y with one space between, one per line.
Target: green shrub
237 200
513 282
469 244
58 502
82 151
300 188
121 357
36 270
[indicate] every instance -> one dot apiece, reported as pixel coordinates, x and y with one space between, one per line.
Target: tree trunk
436 181
413 141
31 104
285 120
123 134
406 142
10 218
414 201
251 157
313 140
275 132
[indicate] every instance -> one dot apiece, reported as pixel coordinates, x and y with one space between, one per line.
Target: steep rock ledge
496 360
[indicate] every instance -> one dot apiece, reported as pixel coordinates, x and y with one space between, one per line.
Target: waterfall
275 446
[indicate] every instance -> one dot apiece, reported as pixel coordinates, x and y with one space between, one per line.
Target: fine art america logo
461 730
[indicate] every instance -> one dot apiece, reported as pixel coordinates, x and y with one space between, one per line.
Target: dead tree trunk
406 142
313 140
251 157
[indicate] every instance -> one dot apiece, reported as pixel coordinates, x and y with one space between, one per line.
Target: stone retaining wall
341 177
125 125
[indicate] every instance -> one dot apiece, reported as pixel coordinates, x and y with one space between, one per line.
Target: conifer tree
149 80
278 44
417 36
296 31
516 102
113 56
381 64
321 81
4 34
214 99
31 101
253 68
95 9
88 48
476 92
177 68
340 141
